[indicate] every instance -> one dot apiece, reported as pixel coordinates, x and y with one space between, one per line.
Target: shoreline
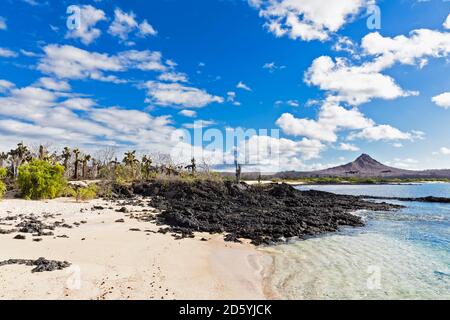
109 261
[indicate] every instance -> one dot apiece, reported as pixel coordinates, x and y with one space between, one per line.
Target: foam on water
400 255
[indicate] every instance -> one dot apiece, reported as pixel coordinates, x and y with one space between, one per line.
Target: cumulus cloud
69 62
86 31
188 113
178 95
5 85
414 49
385 133
442 100
307 19
447 23
125 23
52 84
6 53
332 118
352 84
34 114
444 151
173 77
272 154
348 147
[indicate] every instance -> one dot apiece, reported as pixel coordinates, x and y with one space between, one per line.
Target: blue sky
133 73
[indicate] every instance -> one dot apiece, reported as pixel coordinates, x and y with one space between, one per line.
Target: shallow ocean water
397 255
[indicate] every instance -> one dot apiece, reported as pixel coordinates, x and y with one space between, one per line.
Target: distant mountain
365 166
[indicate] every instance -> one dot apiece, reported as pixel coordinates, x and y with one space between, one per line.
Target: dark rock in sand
120 221
19 237
122 210
34 226
40 265
264 214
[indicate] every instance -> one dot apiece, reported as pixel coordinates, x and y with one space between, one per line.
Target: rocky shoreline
421 199
263 214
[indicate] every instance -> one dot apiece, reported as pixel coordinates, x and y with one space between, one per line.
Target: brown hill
365 166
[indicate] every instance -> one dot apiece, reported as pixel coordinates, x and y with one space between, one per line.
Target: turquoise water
398 255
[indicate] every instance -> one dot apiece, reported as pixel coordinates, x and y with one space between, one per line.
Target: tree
18 157
66 155
86 158
130 161
42 153
3 157
76 152
146 166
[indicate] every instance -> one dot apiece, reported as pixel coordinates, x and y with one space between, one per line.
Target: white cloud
293 103
231 97
407 163
5 85
143 60
178 95
125 23
331 119
307 19
188 113
28 53
442 100
52 84
272 66
348 147
74 63
6 53
272 154
173 77
243 86
69 62
146 29
35 114
447 23
352 84
444 151
199 124
86 31
3 25
79 104
416 49
384 133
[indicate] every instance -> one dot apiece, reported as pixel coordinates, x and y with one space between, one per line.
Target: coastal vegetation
41 174
41 180
2 184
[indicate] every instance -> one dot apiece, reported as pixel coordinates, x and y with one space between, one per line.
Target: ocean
398 255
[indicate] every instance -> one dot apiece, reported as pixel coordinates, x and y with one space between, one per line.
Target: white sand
113 262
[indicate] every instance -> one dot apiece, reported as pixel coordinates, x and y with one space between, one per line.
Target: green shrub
2 184
87 193
41 180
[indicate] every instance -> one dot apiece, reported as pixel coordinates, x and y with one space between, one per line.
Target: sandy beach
110 261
